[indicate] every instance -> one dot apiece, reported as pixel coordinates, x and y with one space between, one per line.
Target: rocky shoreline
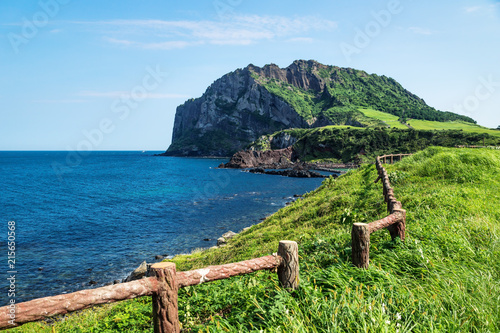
295 173
286 160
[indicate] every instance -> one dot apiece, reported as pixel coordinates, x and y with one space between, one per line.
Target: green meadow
389 119
418 124
451 125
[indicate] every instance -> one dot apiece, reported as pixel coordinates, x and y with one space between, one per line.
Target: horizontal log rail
43 308
162 286
212 273
395 222
392 158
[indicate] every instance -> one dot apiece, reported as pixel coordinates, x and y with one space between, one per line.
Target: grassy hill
418 124
338 93
387 118
445 277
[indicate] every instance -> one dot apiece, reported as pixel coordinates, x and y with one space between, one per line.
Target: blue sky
108 75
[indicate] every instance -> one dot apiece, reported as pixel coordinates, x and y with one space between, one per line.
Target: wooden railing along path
395 222
163 286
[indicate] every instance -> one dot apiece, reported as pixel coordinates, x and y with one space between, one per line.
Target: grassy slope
387 118
445 277
417 124
466 127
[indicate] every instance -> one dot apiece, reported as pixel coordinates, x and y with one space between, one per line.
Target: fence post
288 271
165 308
398 229
360 238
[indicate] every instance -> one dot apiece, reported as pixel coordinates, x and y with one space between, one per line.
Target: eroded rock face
236 110
282 141
269 159
233 112
299 74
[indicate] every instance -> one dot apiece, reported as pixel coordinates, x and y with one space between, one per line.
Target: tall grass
444 278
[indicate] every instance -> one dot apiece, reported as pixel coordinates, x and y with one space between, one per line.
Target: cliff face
302 74
233 112
243 105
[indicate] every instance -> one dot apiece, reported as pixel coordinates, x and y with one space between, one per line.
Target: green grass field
451 125
387 118
445 277
417 124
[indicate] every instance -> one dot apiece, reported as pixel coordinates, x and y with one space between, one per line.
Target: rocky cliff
245 104
233 112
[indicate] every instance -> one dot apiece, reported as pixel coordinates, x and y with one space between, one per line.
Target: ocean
97 217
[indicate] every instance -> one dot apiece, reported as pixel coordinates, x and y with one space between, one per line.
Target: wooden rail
392 158
163 286
395 222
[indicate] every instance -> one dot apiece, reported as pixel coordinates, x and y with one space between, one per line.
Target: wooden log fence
163 286
395 222
392 158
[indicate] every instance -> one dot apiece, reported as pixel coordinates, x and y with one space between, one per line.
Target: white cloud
60 101
169 45
421 31
240 30
488 9
301 40
119 94
472 9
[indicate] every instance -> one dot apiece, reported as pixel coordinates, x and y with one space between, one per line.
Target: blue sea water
98 217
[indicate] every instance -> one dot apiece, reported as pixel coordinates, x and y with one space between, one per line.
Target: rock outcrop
237 109
221 241
233 112
139 272
269 159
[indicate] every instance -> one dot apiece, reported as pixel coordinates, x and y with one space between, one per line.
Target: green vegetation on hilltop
345 90
310 107
445 277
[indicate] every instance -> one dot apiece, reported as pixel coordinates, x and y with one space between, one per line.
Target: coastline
154 206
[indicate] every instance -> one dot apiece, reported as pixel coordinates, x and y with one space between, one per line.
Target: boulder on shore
221 241
138 273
